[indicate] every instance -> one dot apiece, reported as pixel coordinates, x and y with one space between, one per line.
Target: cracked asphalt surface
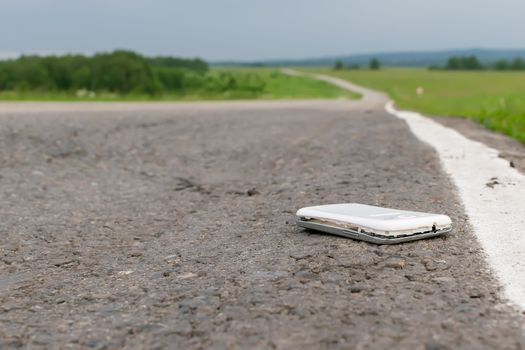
173 227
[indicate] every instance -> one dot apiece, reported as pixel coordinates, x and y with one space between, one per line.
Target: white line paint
496 214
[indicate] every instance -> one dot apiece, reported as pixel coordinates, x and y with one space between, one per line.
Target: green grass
495 99
282 86
277 86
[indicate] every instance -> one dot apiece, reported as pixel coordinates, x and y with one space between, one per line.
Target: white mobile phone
373 224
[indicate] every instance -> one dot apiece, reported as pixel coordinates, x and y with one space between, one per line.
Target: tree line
473 63
122 72
374 64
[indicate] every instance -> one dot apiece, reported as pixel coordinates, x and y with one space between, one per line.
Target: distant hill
395 59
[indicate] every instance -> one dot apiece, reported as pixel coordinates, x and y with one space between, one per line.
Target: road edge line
491 192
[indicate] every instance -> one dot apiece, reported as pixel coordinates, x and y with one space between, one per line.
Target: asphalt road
156 226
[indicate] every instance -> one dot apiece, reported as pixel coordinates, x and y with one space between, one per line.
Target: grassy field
495 99
276 86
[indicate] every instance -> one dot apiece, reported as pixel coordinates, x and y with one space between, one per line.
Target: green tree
454 63
171 79
30 72
375 64
472 63
82 78
338 65
501 65
196 64
467 62
518 64
121 71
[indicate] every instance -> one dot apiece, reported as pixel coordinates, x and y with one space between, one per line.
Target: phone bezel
367 236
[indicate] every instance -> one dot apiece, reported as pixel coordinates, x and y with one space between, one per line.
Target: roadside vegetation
473 63
282 86
495 99
125 75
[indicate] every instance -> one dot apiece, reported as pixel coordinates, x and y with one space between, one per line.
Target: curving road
171 225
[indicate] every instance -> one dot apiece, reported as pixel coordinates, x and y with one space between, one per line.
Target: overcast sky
258 29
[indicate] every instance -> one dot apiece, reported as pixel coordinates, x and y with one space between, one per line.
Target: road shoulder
511 150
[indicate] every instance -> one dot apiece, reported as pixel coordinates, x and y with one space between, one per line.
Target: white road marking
497 213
